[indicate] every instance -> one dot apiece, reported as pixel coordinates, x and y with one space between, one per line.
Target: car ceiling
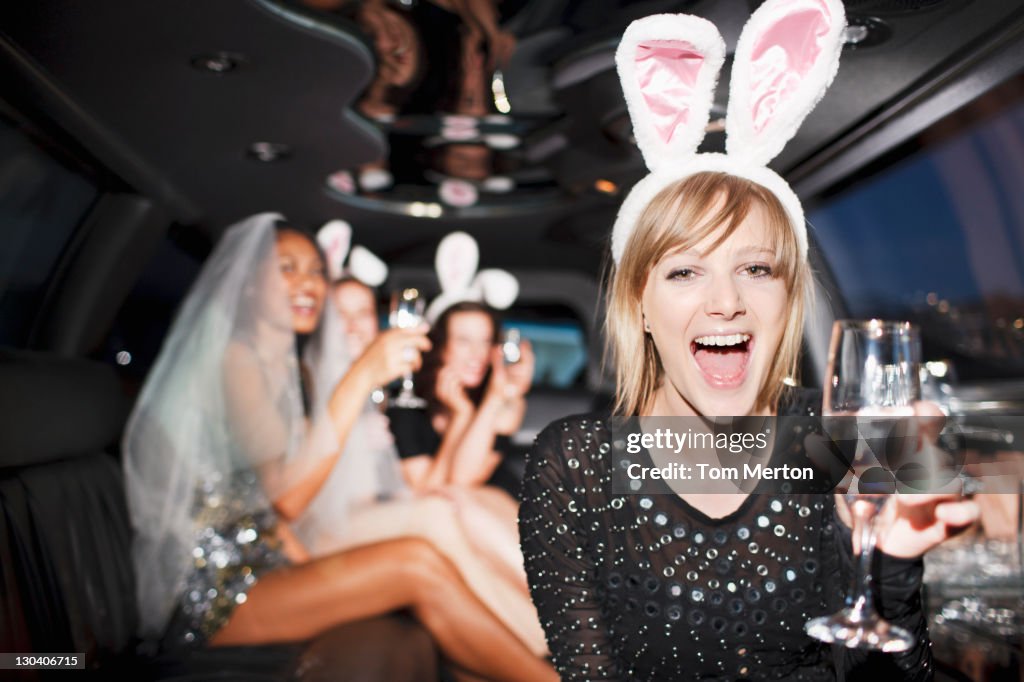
120 77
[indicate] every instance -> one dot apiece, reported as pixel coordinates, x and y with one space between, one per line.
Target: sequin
668 594
232 548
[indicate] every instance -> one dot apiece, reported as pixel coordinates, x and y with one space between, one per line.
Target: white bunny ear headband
456 262
786 58
335 238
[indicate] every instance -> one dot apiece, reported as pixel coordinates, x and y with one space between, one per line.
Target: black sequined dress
646 587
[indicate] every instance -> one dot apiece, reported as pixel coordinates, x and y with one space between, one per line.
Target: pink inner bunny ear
666 72
668 65
786 59
781 60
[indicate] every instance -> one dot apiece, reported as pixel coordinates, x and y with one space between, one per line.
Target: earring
647 326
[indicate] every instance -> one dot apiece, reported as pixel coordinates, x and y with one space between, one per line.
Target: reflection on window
41 203
938 238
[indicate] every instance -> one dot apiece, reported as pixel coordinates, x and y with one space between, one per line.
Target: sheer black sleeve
897 591
559 559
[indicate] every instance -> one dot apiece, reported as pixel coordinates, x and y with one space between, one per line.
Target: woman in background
367 490
233 435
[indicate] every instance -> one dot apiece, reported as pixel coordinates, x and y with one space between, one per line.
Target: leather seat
67 583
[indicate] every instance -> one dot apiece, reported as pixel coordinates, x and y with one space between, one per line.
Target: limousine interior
134 133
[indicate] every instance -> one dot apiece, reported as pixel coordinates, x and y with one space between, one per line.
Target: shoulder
579 437
407 415
590 426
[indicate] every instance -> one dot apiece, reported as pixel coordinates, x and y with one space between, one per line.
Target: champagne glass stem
860 599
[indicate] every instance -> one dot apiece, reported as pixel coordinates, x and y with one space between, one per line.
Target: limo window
559 347
42 202
937 236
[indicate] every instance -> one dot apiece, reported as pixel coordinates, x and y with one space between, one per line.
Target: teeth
730 340
304 301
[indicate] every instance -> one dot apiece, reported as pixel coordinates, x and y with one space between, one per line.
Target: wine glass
873 379
407 313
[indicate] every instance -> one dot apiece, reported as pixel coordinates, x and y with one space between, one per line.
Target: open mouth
723 358
304 305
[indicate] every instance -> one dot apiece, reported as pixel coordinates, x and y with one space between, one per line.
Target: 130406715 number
37 661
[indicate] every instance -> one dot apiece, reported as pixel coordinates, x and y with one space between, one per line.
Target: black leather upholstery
66 579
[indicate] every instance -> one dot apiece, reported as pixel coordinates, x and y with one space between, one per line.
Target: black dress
415 435
647 587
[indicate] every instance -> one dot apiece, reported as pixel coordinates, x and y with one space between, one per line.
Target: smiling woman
234 434
742 303
707 297
302 268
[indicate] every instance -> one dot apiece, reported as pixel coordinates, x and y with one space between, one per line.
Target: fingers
930 419
962 513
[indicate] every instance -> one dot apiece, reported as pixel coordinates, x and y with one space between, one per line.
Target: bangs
707 206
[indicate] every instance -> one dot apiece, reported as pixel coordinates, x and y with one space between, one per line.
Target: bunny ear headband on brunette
456 262
335 238
787 56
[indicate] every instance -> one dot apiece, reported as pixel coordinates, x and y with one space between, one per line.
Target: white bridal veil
221 427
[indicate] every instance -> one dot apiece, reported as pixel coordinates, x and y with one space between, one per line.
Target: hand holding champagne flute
872 378
407 313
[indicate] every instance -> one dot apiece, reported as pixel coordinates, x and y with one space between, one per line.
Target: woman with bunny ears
475 401
241 420
705 316
369 491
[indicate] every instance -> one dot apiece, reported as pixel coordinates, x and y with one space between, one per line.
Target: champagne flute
511 348
873 377
407 313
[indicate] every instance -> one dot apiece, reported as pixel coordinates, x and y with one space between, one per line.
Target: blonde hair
680 216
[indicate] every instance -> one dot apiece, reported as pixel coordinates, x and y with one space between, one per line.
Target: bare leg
299 602
489 517
439 520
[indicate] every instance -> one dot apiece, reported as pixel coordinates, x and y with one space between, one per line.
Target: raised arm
266 434
500 414
560 567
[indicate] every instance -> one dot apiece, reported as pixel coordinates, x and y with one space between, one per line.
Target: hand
910 525
452 393
913 523
394 353
520 374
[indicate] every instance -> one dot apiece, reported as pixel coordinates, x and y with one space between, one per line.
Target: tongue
721 363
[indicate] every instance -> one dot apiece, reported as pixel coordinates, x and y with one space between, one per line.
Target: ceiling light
863 32
217 62
606 187
501 102
268 152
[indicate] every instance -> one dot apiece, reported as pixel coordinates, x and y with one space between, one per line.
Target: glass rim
876 323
